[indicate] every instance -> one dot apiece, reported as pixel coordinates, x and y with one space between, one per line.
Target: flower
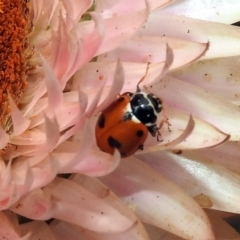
153 193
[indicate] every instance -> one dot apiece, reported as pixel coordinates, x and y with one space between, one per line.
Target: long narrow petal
223 38
155 199
63 231
202 136
77 8
55 96
94 164
195 100
216 11
153 49
4 138
219 76
20 123
226 155
68 201
122 27
117 85
7 228
212 185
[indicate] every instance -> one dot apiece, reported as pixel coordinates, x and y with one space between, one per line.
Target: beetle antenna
143 78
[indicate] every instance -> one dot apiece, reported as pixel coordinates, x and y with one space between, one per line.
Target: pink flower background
84 59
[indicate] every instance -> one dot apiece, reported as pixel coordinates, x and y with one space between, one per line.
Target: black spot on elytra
113 143
139 133
101 121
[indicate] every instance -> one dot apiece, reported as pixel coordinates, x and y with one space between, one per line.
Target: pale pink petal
133 72
37 230
60 46
119 28
83 47
153 146
8 229
44 172
25 150
137 231
92 75
33 137
20 178
94 164
79 121
95 100
192 99
6 186
218 76
55 96
77 8
117 85
35 94
52 133
153 49
157 201
212 185
84 146
159 3
116 8
216 11
168 62
13 219
63 231
14 184
65 200
80 117
202 136
223 38
226 155
43 11
30 137
20 123
67 114
4 138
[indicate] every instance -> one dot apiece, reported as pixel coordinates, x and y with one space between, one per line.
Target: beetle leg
165 120
143 78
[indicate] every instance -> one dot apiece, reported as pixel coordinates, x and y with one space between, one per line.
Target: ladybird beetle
125 124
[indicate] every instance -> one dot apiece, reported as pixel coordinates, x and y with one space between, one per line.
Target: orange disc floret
15 25
14 30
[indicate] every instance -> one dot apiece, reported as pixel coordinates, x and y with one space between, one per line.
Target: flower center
15 26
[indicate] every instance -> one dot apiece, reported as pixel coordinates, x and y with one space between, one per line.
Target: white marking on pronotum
129 109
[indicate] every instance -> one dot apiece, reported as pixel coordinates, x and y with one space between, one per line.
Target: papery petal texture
216 11
204 180
154 199
77 205
223 39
